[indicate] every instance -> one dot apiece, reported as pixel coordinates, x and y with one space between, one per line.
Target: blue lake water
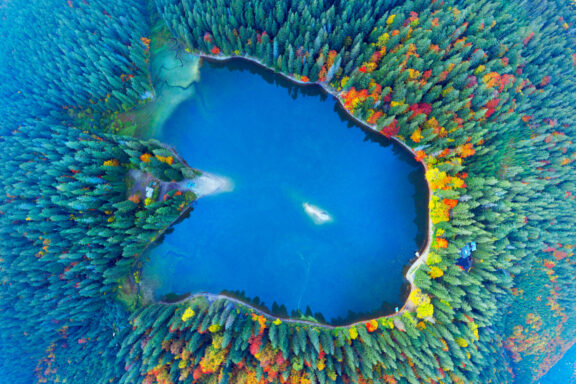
285 146
564 371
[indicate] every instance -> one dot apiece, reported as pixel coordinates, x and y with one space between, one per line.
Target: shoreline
409 275
218 184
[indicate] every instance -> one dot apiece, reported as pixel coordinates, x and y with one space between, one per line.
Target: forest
481 92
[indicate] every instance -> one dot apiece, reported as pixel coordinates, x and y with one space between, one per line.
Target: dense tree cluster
69 233
480 92
72 55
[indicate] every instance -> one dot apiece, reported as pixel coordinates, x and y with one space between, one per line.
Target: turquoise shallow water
283 146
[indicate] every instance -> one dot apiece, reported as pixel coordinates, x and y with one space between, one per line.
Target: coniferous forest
481 91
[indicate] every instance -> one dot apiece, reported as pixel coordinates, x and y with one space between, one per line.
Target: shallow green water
323 213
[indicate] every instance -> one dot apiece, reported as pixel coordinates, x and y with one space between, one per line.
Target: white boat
317 214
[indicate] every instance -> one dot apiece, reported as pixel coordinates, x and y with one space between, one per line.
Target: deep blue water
564 371
284 145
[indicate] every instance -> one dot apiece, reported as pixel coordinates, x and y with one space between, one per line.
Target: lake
324 215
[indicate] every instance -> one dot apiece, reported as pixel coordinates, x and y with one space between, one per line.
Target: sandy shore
209 184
